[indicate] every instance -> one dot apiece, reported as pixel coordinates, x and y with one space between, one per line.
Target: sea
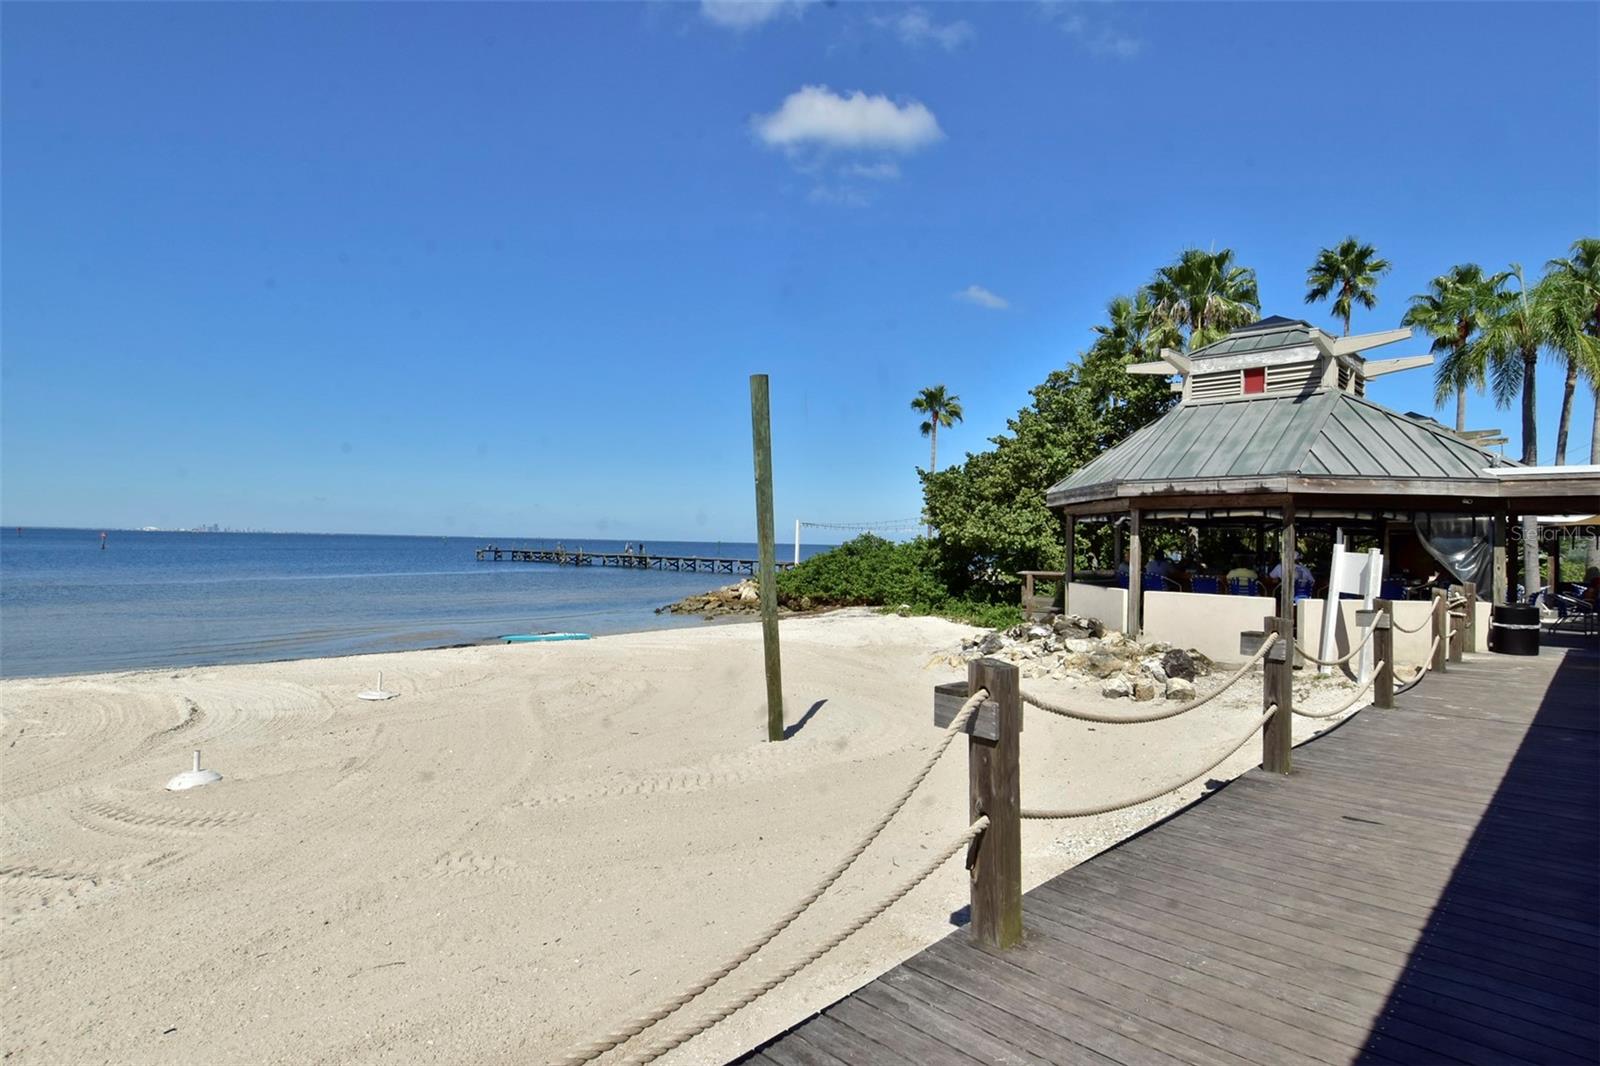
161 599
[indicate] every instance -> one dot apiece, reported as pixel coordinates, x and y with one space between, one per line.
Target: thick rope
1344 706
1153 716
689 1032
594 1049
1422 671
1107 808
1308 657
1426 621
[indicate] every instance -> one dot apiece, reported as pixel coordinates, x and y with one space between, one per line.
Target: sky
505 269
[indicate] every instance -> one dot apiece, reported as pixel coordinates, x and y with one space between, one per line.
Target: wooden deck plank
1424 888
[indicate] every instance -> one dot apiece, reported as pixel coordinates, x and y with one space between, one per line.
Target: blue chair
1244 586
1120 581
1205 583
1304 589
1392 589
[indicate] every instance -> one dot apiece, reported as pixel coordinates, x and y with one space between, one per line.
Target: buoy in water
193 778
377 693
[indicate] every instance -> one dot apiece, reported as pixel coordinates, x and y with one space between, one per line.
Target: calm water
186 599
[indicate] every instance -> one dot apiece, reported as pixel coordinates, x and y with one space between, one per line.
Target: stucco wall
1109 605
1208 623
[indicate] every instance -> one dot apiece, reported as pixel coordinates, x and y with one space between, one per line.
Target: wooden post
994 788
1441 627
1277 670
1501 579
1383 652
1135 574
1469 630
1069 569
761 433
1457 631
1286 567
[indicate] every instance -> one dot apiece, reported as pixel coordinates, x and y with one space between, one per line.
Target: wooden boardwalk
693 564
1423 889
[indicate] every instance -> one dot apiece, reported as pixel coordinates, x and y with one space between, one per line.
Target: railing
987 708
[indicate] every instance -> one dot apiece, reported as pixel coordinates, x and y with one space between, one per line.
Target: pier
1423 888
686 564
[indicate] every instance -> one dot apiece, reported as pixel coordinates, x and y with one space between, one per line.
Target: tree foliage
1348 272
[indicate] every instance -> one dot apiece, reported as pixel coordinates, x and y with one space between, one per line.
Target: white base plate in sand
376 694
193 779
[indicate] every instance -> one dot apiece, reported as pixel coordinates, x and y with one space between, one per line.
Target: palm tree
942 409
1352 270
1517 325
1574 287
1452 311
1201 297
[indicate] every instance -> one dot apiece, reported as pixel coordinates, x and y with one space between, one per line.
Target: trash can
1514 629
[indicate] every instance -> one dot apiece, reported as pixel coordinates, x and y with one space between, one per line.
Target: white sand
527 846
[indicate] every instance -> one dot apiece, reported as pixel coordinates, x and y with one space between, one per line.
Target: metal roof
1265 335
1326 434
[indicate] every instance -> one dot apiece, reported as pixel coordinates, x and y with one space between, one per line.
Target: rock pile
1067 646
743 598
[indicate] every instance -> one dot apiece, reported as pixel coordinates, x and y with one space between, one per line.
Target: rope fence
1159 791
1308 657
660 1047
594 1049
1425 623
1351 702
991 716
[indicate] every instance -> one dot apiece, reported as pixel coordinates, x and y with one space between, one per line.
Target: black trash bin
1514 629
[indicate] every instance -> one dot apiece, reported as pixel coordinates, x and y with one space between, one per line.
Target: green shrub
872 572
866 571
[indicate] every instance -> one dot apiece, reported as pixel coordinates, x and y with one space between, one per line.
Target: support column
1069 568
1286 567
1135 575
1497 590
1383 652
995 789
1277 673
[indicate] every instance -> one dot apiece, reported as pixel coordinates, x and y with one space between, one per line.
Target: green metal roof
1269 333
1325 434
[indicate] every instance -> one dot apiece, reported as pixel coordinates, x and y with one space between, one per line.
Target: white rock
1179 689
1152 666
1144 689
1116 687
1080 645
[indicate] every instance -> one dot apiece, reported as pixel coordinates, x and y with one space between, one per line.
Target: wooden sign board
947 700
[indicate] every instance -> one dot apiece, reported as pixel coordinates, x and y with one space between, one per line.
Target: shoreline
583 819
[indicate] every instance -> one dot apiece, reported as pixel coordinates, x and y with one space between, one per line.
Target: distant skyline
459 269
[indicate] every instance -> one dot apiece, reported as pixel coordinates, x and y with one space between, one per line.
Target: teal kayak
532 638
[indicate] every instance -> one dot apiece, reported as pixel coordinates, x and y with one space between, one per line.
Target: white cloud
748 14
888 170
977 294
1093 34
816 116
915 28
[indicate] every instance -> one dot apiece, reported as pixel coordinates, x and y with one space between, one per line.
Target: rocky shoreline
741 598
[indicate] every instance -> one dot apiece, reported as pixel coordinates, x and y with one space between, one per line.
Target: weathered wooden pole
994 788
1469 631
1499 583
761 432
1277 673
1383 652
1441 630
1457 631
1069 568
1135 575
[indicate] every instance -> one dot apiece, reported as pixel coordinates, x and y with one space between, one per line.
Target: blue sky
505 269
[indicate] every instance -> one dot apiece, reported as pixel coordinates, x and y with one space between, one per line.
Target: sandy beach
528 845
